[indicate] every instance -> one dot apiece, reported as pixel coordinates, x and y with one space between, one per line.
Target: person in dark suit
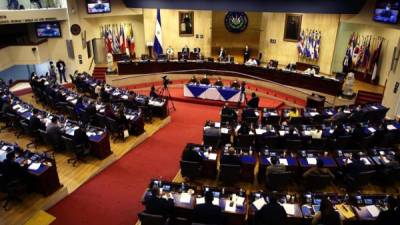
34 121
219 82
61 69
108 111
254 101
231 158
185 52
358 133
246 54
79 107
244 129
80 137
205 80
339 131
207 213
54 132
338 117
189 154
153 93
248 112
11 169
291 134
354 168
272 213
226 110
121 119
193 80
222 54
390 216
235 84
91 110
105 97
156 205
327 214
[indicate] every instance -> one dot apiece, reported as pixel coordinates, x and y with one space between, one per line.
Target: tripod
165 93
242 94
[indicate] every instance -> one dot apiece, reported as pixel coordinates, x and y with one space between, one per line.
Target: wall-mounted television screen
48 30
98 6
387 11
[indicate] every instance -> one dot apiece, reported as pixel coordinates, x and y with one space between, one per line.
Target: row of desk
40 168
295 79
240 206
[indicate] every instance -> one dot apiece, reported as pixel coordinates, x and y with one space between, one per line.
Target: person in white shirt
251 62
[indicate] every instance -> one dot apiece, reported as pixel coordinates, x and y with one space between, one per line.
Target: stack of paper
312 161
217 124
215 201
34 166
289 208
224 130
185 198
374 107
201 200
260 131
259 203
391 127
372 130
282 132
365 160
283 161
314 113
240 201
230 207
373 210
212 156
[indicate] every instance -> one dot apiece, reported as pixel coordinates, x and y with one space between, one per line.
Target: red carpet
113 196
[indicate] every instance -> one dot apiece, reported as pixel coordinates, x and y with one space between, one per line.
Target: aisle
113 196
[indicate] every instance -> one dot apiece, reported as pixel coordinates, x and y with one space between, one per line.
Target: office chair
116 130
279 181
147 113
245 141
45 138
13 123
101 120
229 173
79 151
295 121
317 182
273 142
318 144
13 189
27 131
343 142
71 112
365 143
356 183
227 118
273 120
293 145
190 170
150 219
211 140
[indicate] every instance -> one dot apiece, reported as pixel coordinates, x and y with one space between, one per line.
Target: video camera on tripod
166 81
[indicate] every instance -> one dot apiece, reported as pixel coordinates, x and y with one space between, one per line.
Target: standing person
390 216
52 72
61 69
327 215
222 54
246 54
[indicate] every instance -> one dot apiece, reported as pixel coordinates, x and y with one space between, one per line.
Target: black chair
318 119
45 138
318 144
273 142
116 131
293 145
273 120
228 118
356 183
229 173
80 152
27 131
365 143
317 182
211 140
190 169
245 141
71 112
296 121
150 219
101 120
279 181
13 123
14 190
343 142
147 113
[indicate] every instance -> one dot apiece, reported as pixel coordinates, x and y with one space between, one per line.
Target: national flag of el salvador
158 47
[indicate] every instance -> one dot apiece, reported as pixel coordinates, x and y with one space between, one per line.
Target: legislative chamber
150 112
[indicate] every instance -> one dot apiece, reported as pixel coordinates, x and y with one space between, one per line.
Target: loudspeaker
70 49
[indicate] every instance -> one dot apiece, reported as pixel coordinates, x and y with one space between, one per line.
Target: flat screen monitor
98 6
387 11
48 30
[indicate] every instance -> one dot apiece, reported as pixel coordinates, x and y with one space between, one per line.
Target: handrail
91 64
222 71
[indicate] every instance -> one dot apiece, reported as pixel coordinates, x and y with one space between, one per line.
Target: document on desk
124 97
373 210
224 130
259 203
260 131
345 211
212 156
391 127
307 133
289 208
215 201
283 161
282 132
230 207
314 113
330 113
217 124
34 166
312 161
365 160
185 198
201 200
371 129
374 107
239 201
3 155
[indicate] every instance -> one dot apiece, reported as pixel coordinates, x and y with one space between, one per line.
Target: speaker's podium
315 101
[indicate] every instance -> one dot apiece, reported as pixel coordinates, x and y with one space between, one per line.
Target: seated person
59 97
327 214
253 103
91 110
391 215
153 93
108 111
157 205
293 113
79 107
81 138
97 89
193 80
121 119
231 158
251 62
219 82
207 213
105 96
235 84
292 134
205 80
12 169
192 155
318 170
358 133
34 122
338 117
275 166
353 169
316 133
244 129
226 110
339 131
54 132
272 213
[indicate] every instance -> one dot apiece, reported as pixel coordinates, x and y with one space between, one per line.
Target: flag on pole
132 44
375 61
158 47
122 38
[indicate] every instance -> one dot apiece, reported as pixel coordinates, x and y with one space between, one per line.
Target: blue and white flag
158 46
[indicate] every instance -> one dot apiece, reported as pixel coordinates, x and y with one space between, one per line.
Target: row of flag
308 44
363 54
119 39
